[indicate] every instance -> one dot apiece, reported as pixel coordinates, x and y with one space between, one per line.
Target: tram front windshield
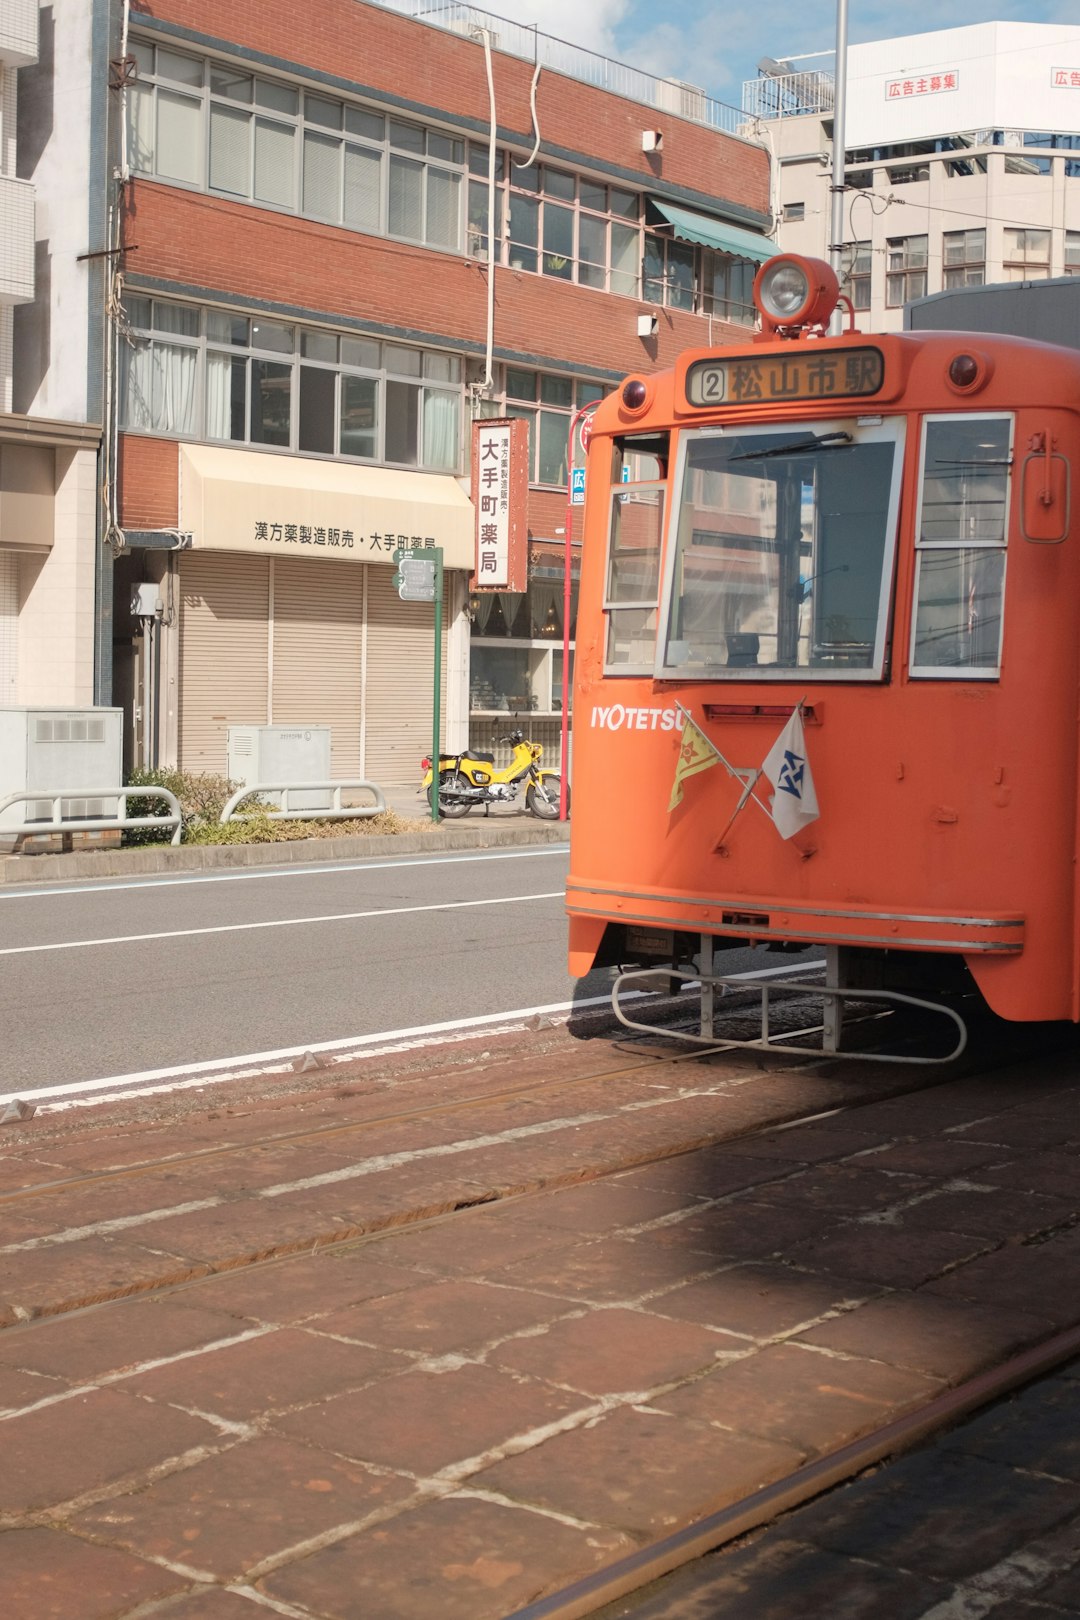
783 554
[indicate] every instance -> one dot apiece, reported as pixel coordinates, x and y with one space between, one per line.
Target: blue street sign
577 486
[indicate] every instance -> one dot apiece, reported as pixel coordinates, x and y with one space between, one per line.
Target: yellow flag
696 753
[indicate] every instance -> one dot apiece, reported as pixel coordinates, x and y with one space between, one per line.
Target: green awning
715 233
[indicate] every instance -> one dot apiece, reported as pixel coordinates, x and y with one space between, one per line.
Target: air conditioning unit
278 755
52 749
686 100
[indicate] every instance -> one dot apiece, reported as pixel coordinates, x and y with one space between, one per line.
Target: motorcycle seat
485 759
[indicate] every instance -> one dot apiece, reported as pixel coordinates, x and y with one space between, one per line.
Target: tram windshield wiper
815 441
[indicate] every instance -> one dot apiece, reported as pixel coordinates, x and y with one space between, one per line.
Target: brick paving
328 1376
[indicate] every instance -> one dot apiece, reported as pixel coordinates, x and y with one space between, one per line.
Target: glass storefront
516 648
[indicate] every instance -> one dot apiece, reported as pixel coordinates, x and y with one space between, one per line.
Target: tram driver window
961 542
784 540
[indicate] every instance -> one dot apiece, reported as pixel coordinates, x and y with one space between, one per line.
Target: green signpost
420 579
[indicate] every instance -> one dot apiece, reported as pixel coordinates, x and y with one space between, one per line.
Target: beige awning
288 506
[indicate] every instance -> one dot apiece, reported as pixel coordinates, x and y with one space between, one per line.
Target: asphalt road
104 979
117 978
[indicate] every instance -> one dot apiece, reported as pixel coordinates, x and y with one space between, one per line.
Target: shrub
201 796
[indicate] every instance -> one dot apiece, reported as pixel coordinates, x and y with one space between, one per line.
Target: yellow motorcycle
472 778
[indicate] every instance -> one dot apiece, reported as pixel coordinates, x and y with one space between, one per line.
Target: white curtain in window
405 199
440 430
136 370
173 385
218 395
443 208
363 188
230 157
625 250
275 168
140 128
179 138
322 177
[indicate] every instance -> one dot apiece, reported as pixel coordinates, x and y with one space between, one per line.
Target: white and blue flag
794 803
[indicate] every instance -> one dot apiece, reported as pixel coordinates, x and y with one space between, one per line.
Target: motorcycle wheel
542 798
451 785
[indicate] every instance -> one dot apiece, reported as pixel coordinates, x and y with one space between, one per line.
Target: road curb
148 859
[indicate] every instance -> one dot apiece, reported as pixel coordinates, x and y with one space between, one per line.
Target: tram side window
632 585
960 544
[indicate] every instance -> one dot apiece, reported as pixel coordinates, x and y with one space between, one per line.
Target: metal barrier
338 812
59 823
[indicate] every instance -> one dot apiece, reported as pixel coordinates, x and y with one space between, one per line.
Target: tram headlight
792 292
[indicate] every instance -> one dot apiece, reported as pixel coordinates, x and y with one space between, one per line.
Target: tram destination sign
811 373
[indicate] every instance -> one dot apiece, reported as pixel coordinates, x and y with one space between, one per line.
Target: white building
962 161
50 139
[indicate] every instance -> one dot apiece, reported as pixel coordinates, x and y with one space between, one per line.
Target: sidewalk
504 825
424 1345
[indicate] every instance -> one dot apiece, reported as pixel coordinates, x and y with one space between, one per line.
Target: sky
718 46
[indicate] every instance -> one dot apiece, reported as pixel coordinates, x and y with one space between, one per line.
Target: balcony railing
19 32
515 39
789 95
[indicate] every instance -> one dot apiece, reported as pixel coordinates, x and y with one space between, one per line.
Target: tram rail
764 1507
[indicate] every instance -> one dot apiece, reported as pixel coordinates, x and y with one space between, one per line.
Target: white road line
251 1065
275 922
323 869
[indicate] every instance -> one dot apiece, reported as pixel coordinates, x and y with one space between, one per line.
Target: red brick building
303 336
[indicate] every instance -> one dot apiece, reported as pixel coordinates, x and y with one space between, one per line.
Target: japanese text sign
922 84
500 486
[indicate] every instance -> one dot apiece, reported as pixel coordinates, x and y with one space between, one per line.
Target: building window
210 374
515 652
963 255
855 273
224 130
668 272
906 278
1072 253
547 403
1027 254
794 210
209 125
727 287
1054 142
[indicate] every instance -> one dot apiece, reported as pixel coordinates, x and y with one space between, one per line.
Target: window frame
960 672
423 381
609 606
890 429
906 272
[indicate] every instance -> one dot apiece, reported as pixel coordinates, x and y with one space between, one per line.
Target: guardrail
57 822
281 790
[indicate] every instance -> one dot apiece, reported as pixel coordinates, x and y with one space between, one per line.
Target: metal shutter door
400 653
318 652
224 644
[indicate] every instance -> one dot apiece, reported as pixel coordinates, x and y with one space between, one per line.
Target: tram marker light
635 394
793 292
969 371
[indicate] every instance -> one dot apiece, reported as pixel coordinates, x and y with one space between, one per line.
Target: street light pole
564 727
839 152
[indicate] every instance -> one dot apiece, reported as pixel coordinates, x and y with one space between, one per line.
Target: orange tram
828 666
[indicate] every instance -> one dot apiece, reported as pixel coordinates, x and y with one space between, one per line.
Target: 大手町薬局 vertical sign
500 492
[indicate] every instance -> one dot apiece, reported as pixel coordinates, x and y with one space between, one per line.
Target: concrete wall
55 151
